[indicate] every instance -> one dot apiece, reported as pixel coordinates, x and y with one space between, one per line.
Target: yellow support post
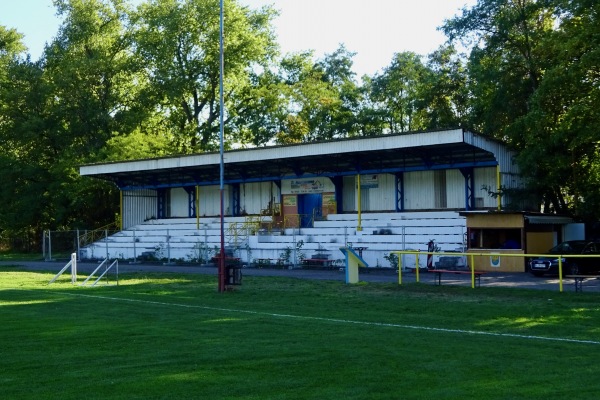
197 207
399 269
498 186
417 264
120 210
560 274
359 227
472 271
472 276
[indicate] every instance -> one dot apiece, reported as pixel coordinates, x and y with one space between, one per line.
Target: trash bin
233 275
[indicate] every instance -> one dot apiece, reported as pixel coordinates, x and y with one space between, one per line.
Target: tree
93 74
533 76
59 112
178 42
262 114
564 120
506 60
337 72
308 98
21 112
395 93
11 48
506 66
320 99
443 92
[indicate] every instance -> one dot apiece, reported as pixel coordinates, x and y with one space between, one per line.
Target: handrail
472 255
73 265
273 210
244 229
293 220
115 262
94 235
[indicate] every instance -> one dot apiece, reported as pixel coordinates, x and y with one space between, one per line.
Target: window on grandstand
495 238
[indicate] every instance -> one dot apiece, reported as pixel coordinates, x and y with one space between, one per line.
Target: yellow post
498 186
120 210
197 207
359 227
472 276
472 271
417 264
560 274
399 269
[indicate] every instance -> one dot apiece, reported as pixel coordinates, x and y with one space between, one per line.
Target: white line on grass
341 321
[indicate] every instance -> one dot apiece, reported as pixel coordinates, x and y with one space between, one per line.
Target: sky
373 29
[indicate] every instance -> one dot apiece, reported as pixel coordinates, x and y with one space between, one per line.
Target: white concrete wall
179 203
210 200
485 177
455 189
255 197
138 206
419 193
382 198
349 195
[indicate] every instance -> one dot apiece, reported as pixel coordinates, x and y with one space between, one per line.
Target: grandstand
251 240
286 204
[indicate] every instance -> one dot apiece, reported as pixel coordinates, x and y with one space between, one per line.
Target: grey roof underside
448 149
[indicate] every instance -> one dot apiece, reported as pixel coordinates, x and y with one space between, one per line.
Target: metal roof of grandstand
394 153
535 218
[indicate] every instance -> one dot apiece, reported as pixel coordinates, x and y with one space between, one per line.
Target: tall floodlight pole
221 147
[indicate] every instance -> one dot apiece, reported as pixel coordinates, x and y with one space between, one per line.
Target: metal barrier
71 264
103 263
295 220
471 256
89 237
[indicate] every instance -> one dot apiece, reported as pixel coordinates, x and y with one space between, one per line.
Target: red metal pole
221 149
222 252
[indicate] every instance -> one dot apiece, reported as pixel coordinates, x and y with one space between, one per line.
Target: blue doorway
309 206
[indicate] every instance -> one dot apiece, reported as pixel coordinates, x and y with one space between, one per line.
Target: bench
317 262
578 280
450 263
438 275
229 261
265 262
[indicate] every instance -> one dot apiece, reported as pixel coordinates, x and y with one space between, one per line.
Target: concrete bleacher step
382 233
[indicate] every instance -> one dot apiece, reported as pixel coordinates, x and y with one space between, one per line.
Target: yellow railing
293 220
273 210
239 231
471 257
97 234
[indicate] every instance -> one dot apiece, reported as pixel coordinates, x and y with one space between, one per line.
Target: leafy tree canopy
120 81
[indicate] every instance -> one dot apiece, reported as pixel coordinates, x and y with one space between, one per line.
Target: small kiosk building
504 232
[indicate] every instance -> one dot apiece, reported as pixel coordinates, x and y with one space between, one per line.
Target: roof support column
197 206
359 225
499 187
120 209
399 191
191 191
469 175
161 203
235 199
338 182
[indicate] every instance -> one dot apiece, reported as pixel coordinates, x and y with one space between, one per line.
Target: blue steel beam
235 199
469 175
191 192
400 191
467 165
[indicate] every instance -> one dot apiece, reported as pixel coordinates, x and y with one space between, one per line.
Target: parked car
571 265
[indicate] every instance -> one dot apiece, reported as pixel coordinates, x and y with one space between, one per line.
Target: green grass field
166 336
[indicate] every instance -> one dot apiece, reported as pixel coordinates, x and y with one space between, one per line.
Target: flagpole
221 151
